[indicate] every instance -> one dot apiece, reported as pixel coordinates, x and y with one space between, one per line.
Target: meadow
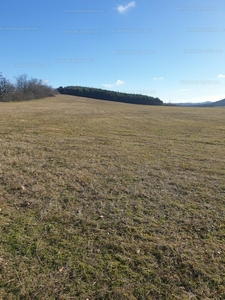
104 200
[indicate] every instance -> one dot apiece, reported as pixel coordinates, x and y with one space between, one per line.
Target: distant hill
203 104
194 104
218 103
102 94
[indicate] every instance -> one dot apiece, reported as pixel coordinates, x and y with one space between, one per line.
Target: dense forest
109 95
23 88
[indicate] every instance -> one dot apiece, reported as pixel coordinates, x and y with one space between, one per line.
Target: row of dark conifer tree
109 95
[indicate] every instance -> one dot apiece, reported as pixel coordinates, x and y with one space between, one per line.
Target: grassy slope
111 201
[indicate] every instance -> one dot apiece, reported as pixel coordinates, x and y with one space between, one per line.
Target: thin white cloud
124 8
158 78
45 81
118 83
221 76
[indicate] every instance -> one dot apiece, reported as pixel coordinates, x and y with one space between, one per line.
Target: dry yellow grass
103 200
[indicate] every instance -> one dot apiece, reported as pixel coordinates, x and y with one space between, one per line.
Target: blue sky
174 50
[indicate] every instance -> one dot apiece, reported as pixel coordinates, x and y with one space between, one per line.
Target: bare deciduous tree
24 89
6 89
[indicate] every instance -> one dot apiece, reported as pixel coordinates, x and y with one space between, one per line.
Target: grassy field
100 200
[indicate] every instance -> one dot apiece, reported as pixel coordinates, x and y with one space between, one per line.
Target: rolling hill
203 104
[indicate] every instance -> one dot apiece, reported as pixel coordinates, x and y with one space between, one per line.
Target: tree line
23 89
109 95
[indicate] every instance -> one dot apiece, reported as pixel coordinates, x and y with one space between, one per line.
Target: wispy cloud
209 98
221 76
158 78
46 81
118 83
124 8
